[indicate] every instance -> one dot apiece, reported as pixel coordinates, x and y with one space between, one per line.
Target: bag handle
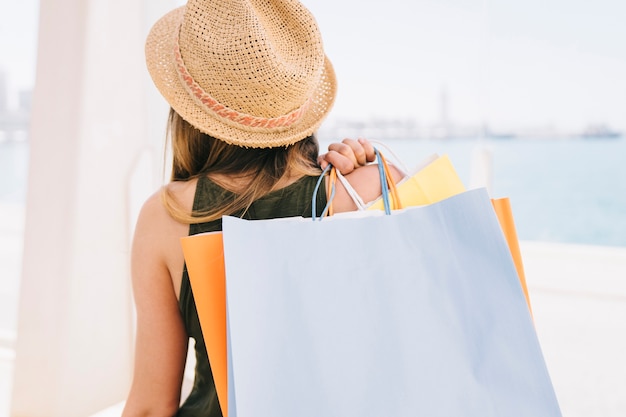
388 186
388 180
356 198
389 151
316 189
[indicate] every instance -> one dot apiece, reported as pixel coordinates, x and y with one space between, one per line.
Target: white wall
96 146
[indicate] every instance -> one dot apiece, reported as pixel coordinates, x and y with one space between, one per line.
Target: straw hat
249 72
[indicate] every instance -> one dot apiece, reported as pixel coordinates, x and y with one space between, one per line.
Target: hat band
211 105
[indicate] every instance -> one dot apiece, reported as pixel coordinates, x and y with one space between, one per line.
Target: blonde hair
196 154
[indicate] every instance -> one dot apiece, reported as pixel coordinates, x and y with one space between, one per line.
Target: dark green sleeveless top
291 201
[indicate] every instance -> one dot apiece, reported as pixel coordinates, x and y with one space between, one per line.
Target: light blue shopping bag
417 313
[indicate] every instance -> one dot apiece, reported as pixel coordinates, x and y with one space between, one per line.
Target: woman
248 84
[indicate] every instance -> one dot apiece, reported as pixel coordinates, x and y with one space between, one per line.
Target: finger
321 161
358 150
339 161
344 150
370 154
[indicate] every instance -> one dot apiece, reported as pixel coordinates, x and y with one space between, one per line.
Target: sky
508 63
513 63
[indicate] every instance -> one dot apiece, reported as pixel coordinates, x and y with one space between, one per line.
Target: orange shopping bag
204 256
502 206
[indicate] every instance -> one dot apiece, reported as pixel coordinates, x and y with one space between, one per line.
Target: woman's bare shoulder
157 234
155 211
183 192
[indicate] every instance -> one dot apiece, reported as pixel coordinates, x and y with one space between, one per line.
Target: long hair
196 154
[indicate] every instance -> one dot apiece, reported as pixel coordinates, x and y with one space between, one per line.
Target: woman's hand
348 155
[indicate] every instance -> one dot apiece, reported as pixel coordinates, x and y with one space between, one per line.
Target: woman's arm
366 182
161 339
347 156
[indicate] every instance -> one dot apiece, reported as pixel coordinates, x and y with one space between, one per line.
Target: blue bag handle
317 187
384 185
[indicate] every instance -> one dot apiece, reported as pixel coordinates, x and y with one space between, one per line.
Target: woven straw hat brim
161 66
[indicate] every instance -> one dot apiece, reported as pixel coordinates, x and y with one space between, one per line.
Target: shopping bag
204 258
415 313
504 212
434 182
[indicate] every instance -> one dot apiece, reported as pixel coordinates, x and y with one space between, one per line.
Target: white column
95 155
